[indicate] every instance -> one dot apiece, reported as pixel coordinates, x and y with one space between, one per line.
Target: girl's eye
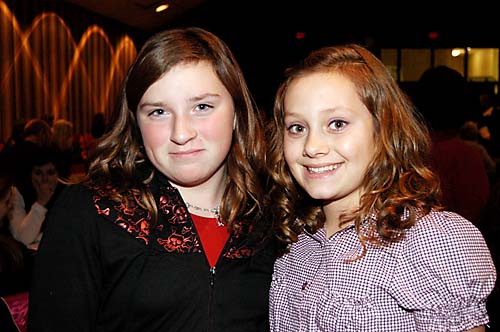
295 129
203 107
157 112
337 124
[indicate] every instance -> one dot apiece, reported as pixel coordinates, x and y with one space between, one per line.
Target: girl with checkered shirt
369 247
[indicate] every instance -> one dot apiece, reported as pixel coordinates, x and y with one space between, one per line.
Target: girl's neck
333 212
207 194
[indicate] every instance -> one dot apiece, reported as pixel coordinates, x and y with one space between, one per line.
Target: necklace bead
215 211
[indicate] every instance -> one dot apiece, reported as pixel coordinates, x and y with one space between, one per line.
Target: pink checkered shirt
435 279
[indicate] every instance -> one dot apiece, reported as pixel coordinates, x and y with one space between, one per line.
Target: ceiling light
161 8
457 52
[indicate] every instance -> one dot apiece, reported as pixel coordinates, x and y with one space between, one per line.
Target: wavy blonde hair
397 181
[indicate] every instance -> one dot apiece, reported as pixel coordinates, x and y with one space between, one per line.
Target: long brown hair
118 155
398 184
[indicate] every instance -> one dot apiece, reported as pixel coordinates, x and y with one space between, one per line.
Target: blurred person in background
470 134
67 157
36 134
15 259
443 98
27 218
489 123
16 135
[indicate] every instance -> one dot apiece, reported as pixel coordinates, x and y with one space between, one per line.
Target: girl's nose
45 177
315 146
183 131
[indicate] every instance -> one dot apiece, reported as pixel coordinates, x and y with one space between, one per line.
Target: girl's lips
322 169
188 154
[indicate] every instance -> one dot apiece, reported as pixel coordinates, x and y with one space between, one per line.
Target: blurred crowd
41 156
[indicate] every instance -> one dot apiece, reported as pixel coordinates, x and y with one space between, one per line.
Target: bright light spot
161 8
456 52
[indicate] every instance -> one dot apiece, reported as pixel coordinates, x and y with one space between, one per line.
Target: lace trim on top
175 230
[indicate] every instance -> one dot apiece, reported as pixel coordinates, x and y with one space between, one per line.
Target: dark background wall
262 32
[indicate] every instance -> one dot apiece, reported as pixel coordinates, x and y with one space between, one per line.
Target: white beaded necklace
215 211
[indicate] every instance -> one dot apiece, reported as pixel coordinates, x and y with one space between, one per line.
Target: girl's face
186 120
329 138
45 174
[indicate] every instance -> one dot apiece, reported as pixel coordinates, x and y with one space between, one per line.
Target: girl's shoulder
86 195
444 223
443 232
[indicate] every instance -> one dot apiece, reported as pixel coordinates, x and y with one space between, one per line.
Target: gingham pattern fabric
436 279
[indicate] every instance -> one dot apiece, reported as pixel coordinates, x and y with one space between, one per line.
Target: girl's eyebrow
203 96
192 99
329 109
155 104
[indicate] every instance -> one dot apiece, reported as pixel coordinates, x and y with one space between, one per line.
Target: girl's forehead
48 165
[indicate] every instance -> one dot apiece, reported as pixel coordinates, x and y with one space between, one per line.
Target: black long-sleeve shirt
101 268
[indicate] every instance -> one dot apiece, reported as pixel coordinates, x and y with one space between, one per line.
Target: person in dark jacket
169 230
443 97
